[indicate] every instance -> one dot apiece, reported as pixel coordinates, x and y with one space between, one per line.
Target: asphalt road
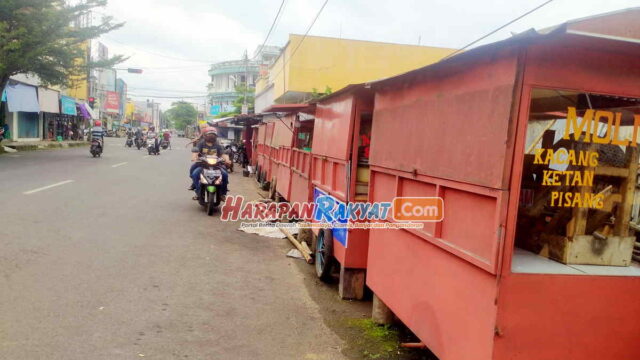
109 258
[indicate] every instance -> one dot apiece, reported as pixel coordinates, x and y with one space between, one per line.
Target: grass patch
380 341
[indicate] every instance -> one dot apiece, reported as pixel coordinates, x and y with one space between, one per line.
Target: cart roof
557 35
287 108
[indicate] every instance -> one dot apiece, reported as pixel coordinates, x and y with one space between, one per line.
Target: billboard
112 102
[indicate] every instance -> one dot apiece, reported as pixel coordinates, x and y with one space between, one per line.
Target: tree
164 119
250 92
315 95
37 37
182 114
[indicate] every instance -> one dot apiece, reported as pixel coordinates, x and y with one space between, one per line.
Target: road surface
109 258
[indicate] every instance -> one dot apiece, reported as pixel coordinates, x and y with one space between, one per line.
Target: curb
50 146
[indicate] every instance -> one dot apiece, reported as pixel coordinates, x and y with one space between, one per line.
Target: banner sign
112 102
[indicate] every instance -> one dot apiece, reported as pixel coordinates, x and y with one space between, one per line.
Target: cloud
209 31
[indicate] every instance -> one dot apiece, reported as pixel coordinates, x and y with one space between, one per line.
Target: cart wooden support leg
380 312
351 283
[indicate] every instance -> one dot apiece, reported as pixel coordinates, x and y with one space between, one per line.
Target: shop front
22 112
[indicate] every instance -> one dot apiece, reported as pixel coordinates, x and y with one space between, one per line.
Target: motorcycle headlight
212 161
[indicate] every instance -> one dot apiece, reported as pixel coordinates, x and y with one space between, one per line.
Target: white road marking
47 187
120 164
146 156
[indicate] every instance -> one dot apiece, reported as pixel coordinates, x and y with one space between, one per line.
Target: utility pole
245 108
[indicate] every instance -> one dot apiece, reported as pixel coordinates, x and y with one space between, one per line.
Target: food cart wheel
324 255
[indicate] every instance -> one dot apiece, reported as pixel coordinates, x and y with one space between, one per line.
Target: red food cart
300 188
532 144
253 156
263 169
339 168
292 130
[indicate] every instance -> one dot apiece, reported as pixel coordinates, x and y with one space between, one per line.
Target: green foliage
166 121
37 37
250 92
182 114
225 114
317 95
381 340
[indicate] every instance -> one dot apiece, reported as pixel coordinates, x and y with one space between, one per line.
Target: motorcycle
96 148
241 156
209 196
139 142
129 142
229 150
151 147
165 144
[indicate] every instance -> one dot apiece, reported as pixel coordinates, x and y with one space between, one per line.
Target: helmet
210 130
98 123
210 133
152 128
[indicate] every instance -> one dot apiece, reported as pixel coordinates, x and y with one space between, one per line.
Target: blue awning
22 97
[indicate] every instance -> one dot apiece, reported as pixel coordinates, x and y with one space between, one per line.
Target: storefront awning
22 97
68 105
83 111
93 113
48 100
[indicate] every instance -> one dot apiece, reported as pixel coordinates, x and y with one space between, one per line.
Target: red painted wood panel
549 317
446 301
332 127
283 131
454 126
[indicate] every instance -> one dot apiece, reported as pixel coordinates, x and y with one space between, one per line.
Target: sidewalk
40 145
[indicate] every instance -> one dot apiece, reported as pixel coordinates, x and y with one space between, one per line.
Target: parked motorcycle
241 156
96 148
151 147
139 142
209 196
230 153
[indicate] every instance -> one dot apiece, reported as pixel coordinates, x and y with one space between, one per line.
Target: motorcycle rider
97 132
208 145
151 134
166 135
138 136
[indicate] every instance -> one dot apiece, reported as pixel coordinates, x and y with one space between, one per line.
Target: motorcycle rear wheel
211 207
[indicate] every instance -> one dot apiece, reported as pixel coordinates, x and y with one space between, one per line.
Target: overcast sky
175 41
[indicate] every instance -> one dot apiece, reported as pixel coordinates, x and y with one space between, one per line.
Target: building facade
226 75
323 62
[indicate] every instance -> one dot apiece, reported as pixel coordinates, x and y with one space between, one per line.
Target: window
578 204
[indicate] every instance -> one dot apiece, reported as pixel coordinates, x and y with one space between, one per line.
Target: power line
158 54
496 30
285 61
166 97
134 88
171 67
273 25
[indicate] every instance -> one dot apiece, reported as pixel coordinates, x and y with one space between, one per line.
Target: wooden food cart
531 143
340 168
